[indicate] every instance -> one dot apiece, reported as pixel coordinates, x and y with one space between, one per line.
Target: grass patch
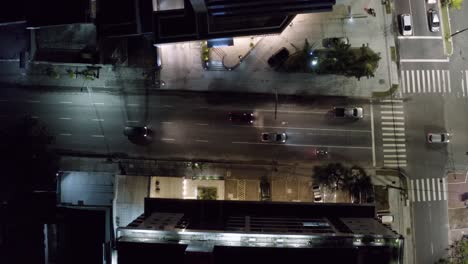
446 32
388 7
386 93
393 53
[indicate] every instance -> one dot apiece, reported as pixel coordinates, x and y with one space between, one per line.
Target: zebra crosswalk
393 133
464 84
425 81
427 190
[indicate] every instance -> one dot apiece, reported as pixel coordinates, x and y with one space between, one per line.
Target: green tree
456 4
207 193
458 253
359 184
331 176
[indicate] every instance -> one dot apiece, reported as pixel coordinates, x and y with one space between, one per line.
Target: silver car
406 25
438 137
434 21
274 137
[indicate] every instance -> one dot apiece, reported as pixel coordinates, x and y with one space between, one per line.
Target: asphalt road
194 127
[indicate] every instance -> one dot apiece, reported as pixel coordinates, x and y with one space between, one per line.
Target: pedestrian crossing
427 190
393 133
426 81
464 84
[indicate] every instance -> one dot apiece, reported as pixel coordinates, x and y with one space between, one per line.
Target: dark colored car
136 131
274 137
241 117
278 58
265 191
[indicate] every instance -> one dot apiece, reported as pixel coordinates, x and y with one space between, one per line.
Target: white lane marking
403 81
201 140
32 101
393 123
373 133
65 118
408 82
443 82
309 128
448 82
428 183
65 134
394 145
99 136
299 145
391 101
419 37
434 81
434 189
423 191
394 117
132 104
201 124
97 120
293 111
439 190
392 161
394 165
391 112
417 190
423 77
167 105
391 106
132 121
393 128
424 60
393 139
418 81
394 150
34 117
443 189
98 103
428 81
412 189
66 102
438 81
166 122
167 139
463 87
413 84
395 156
393 134
466 82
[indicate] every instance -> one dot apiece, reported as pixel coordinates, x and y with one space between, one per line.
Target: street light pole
458 32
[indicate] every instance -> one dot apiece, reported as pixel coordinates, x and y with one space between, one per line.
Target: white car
438 137
434 21
406 25
317 194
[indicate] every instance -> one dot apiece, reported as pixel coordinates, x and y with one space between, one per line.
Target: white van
431 2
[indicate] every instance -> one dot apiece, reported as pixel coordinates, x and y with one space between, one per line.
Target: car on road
274 137
333 42
434 21
406 25
242 117
438 137
136 131
317 193
348 112
431 2
278 58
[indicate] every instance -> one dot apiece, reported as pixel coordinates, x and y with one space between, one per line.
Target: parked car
386 219
431 2
158 63
278 58
136 131
438 137
274 137
348 112
333 42
242 117
317 193
434 21
406 25
265 191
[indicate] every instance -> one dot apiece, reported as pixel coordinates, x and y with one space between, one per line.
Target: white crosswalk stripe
393 130
430 81
428 190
